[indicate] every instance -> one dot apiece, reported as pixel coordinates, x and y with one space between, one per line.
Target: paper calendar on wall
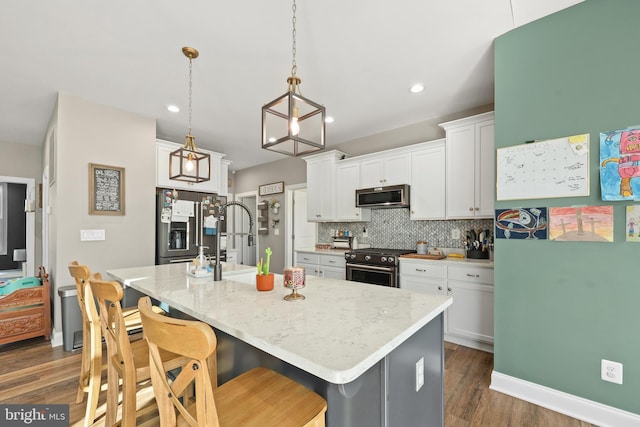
545 169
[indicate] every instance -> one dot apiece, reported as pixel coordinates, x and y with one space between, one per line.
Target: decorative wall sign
521 223
620 164
544 169
106 190
581 224
275 188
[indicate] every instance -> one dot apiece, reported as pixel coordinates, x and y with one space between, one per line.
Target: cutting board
420 256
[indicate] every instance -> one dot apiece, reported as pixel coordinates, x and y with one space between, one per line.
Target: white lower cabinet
469 320
322 265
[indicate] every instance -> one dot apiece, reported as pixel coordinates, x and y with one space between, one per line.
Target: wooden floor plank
34 372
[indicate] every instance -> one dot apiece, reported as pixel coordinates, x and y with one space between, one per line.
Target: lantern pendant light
292 124
187 163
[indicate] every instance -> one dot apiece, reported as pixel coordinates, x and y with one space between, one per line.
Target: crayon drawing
620 164
633 226
521 223
581 224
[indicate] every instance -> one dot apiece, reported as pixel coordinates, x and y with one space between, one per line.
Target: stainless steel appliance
375 266
180 226
393 196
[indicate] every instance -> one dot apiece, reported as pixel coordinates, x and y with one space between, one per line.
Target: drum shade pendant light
292 124
187 163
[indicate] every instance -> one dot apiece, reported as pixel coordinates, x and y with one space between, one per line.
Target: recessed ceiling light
417 88
328 119
173 108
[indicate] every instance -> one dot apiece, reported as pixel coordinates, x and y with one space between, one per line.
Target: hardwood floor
34 372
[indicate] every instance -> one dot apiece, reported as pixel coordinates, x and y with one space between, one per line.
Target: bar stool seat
257 398
91 365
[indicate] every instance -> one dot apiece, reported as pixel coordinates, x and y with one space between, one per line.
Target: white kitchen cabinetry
163 152
321 186
347 182
428 181
224 177
322 265
386 168
469 320
470 167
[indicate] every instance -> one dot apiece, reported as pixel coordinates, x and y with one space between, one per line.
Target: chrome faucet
217 268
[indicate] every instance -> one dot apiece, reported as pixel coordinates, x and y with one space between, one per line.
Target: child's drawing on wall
633 218
620 164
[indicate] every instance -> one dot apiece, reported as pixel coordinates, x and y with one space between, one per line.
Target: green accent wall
561 307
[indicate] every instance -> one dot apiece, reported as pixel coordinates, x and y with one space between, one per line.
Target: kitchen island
359 346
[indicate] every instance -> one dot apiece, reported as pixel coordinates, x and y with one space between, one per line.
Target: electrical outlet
455 233
419 373
611 371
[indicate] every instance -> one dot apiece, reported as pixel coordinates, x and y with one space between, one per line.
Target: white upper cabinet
321 186
347 181
428 179
384 169
470 167
214 185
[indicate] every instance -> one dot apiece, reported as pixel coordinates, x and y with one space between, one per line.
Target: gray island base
359 346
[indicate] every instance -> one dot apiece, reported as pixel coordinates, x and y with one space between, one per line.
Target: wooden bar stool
91 366
127 361
257 398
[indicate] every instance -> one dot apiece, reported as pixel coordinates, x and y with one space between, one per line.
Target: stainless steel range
376 266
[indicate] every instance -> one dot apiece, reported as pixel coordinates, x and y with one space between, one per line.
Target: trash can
71 318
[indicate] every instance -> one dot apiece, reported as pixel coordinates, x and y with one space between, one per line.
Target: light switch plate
90 235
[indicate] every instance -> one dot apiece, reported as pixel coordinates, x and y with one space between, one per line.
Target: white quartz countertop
339 331
332 251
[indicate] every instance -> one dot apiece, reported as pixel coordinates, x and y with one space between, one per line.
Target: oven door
373 275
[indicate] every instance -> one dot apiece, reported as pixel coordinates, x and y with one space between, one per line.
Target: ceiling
358 58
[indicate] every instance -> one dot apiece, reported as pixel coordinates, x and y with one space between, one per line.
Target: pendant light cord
294 67
190 91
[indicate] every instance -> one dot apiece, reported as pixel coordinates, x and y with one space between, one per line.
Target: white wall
92 133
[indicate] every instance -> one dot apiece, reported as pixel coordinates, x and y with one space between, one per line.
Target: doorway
239 234
26 204
301 234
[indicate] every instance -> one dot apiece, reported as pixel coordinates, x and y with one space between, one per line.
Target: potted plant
264 279
275 206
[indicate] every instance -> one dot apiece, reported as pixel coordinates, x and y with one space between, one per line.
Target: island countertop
339 331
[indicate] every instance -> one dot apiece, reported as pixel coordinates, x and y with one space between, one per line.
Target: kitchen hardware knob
439 288
420 270
449 289
332 262
470 209
367 258
390 259
477 208
473 275
383 259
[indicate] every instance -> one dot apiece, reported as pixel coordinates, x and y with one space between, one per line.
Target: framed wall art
106 190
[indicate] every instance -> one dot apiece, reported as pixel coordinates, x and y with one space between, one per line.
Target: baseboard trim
56 338
568 404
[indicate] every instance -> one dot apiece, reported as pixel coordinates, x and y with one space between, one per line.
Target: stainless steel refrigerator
180 225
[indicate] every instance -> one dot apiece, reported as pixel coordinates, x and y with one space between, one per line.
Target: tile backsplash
393 228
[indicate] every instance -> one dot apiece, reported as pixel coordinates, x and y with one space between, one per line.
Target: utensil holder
478 254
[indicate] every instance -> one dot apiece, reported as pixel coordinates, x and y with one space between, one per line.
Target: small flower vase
264 282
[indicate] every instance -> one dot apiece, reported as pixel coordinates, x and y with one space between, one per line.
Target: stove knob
390 259
367 257
383 259
353 256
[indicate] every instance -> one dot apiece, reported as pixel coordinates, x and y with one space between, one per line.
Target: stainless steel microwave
393 196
